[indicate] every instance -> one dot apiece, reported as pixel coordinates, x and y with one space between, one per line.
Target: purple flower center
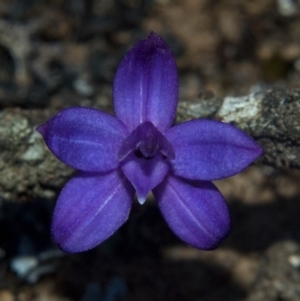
145 141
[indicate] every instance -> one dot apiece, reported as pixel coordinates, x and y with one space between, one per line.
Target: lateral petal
210 150
90 208
86 139
144 174
194 210
146 85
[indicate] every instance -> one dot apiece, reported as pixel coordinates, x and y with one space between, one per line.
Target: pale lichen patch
241 110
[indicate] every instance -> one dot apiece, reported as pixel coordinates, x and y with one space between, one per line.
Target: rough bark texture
271 117
27 167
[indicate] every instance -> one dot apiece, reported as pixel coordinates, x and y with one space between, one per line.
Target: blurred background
60 53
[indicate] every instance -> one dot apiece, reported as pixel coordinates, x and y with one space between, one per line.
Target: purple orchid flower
138 150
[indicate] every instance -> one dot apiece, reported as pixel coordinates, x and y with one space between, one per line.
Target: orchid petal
90 208
144 174
194 210
210 150
84 138
146 85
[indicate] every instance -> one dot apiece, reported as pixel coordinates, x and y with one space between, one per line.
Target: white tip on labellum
141 198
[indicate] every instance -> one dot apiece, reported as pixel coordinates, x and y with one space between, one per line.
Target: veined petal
86 139
144 174
194 210
146 85
90 208
210 150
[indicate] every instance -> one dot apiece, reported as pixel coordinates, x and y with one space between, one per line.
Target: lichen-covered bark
27 167
271 117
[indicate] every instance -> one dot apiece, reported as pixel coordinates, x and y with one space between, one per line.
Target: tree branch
28 169
271 117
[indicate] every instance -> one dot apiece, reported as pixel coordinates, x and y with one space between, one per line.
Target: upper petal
210 150
146 85
86 139
194 210
144 174
90 208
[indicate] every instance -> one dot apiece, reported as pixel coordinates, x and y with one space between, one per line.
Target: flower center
145 141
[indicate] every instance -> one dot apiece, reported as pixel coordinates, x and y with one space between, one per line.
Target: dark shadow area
135 252
25 227
150 278
257 227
